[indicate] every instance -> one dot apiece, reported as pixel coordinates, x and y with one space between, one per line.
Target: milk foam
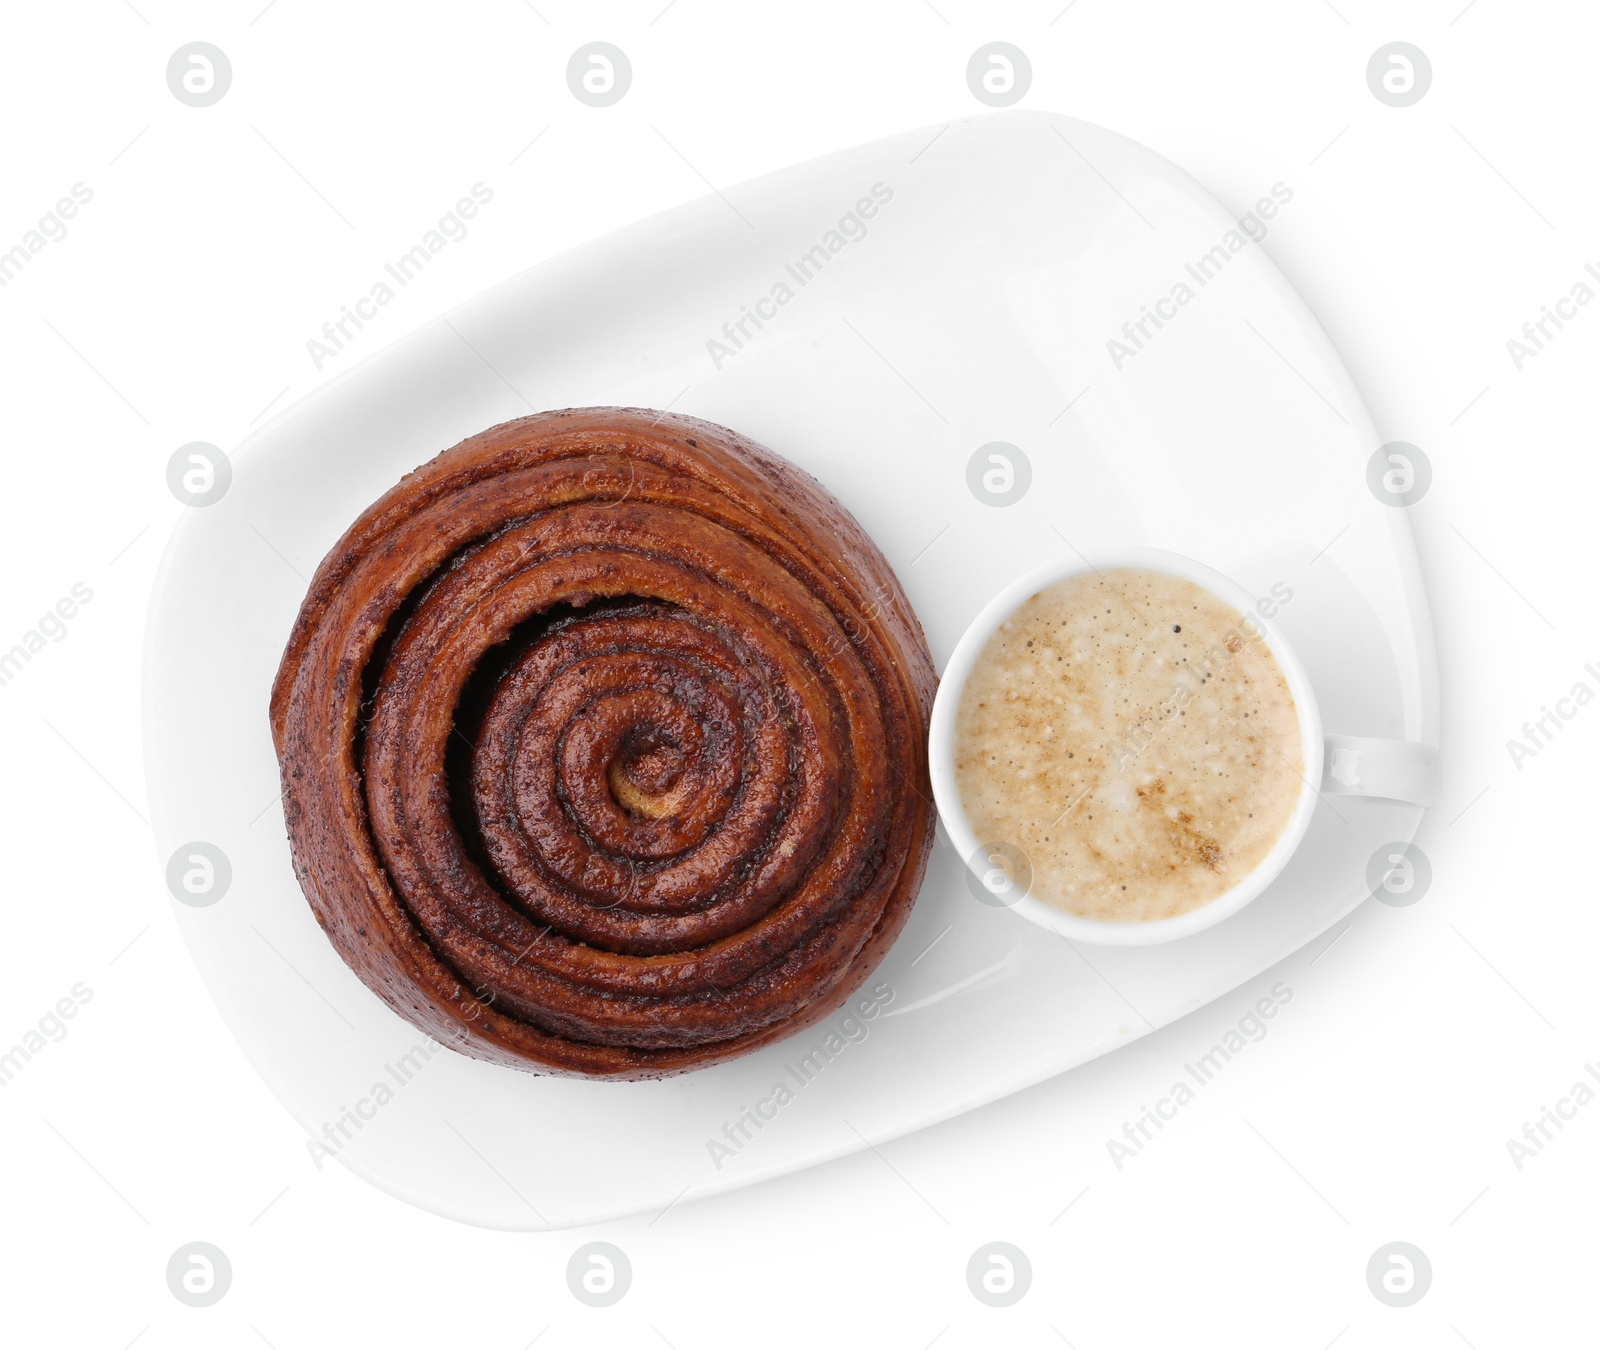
1134 735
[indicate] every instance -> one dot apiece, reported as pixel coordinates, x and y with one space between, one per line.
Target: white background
178 308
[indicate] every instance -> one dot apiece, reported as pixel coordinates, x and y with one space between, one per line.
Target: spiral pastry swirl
603 746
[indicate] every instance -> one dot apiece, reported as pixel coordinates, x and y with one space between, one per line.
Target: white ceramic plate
974 306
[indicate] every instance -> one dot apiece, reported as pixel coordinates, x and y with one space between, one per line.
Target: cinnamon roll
603 746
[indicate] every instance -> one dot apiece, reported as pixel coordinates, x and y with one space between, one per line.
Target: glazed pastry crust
603 746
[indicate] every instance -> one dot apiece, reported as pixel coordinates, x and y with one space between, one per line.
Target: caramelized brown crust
603 744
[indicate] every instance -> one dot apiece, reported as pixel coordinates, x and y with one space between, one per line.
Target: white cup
1333 765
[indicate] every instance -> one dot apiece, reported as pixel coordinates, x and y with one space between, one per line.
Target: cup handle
1369 766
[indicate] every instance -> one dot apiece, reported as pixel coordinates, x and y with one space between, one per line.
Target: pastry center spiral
635 757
